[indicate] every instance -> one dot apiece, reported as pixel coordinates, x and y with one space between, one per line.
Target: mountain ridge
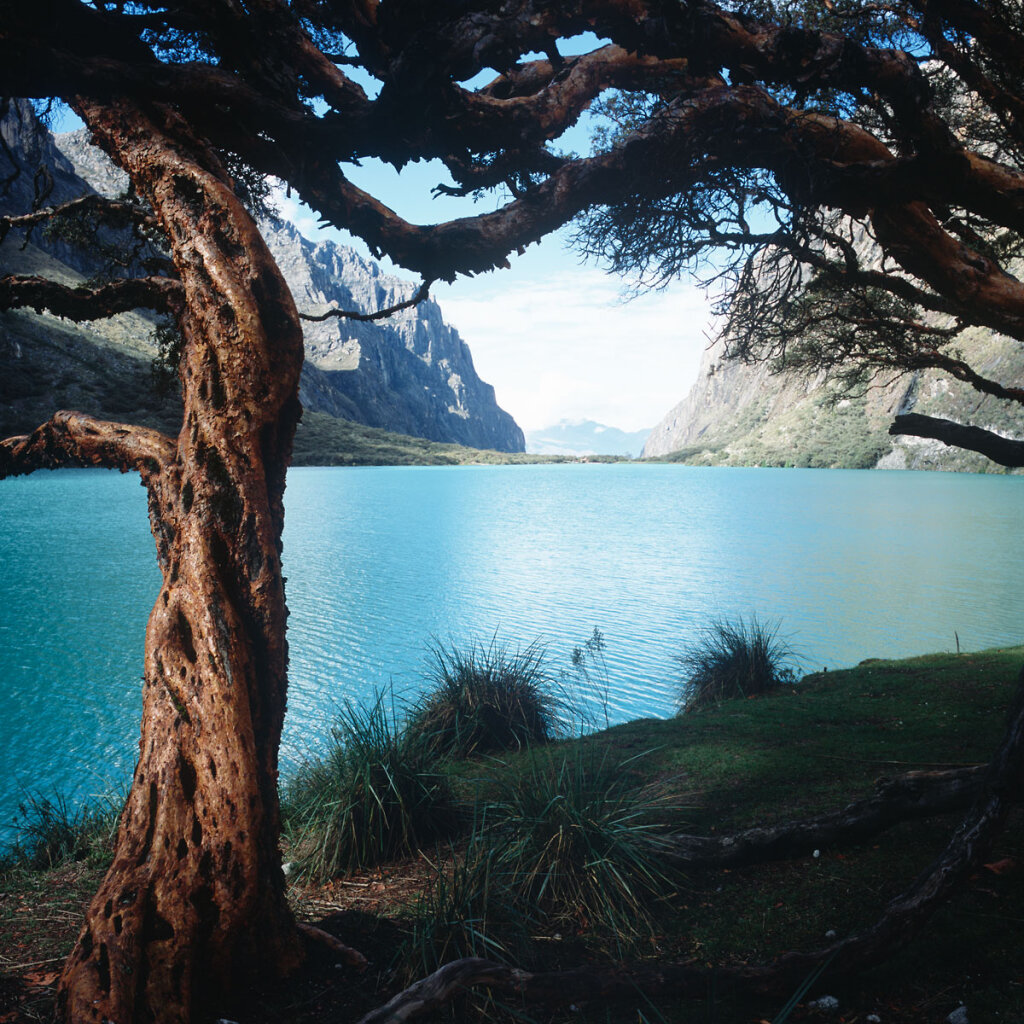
411 374
744 414
585 437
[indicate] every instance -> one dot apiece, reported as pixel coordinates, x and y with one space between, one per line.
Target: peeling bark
193 905
74 439
163 294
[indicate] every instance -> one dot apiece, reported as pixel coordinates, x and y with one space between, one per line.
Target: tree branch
164 294
906 798
380 314
74 439
108 208
1004 450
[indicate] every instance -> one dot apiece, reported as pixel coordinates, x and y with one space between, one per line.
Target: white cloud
565 346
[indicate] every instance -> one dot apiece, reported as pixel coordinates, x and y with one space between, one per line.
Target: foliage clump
374 795
578 842
486 699
563 847
734 658
52 833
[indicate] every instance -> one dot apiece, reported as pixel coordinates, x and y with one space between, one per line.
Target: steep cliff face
410 374
47 363
744 415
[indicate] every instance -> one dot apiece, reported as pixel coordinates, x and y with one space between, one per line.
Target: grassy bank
323 440
804 749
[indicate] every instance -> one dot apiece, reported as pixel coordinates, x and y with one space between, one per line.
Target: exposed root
313 935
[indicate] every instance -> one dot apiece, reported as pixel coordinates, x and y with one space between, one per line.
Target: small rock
830 934
958 1016
289 868
816 854
827 1004
873 1018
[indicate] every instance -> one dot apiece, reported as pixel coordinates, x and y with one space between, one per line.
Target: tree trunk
194 903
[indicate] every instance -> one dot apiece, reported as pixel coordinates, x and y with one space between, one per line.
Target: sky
555 338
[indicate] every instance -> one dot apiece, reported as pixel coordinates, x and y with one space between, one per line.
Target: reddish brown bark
195 897
39 293
194 903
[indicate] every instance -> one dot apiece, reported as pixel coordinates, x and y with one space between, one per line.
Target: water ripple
379 561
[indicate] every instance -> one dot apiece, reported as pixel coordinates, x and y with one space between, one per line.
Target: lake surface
379 561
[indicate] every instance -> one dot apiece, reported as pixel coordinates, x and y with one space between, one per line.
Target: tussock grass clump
574 839
52 833
374 795
566 846
734 658
486 699
469 910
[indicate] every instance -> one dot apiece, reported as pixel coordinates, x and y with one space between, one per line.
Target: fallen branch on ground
905 798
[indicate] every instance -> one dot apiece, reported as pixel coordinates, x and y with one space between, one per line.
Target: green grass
797 751
375 794
484 700
52 833
581 845
735 658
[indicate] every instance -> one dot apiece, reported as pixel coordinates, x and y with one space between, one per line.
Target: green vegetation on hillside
324 440
782 420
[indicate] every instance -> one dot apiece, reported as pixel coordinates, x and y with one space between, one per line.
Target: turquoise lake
379 561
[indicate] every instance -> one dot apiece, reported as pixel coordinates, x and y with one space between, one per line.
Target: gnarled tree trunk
194 902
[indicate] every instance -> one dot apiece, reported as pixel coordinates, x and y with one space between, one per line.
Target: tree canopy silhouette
841 149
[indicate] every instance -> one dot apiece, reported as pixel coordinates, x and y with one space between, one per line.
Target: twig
381 314
35 963
352 957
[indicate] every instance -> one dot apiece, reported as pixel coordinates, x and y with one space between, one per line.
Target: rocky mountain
47 363
744 415
585 437
410 374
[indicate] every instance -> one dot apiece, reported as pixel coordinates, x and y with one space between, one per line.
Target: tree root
905 798
317 936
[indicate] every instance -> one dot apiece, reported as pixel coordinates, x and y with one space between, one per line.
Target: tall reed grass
735 658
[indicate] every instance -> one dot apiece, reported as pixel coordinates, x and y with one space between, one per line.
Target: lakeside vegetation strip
954 701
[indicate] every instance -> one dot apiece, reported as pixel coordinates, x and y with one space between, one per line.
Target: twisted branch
74 439
163 294
107 208
380 314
